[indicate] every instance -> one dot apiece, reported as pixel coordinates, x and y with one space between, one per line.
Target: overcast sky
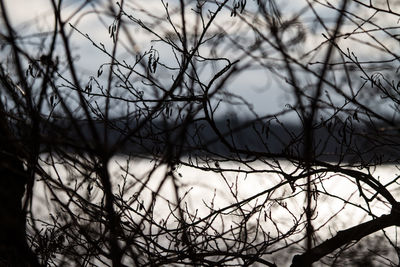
267 94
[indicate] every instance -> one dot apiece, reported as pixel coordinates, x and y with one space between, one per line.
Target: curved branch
344 237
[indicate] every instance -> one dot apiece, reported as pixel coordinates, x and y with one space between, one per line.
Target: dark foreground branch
344 237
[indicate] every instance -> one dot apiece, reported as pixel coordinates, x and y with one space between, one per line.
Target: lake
272 203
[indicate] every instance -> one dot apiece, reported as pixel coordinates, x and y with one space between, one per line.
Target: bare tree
96 157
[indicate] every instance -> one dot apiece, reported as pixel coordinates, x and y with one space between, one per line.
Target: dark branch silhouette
204 133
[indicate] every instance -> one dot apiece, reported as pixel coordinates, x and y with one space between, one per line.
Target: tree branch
344 237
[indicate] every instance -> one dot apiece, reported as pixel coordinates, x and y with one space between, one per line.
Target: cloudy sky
258 86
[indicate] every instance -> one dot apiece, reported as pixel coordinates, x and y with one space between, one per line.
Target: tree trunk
14 249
